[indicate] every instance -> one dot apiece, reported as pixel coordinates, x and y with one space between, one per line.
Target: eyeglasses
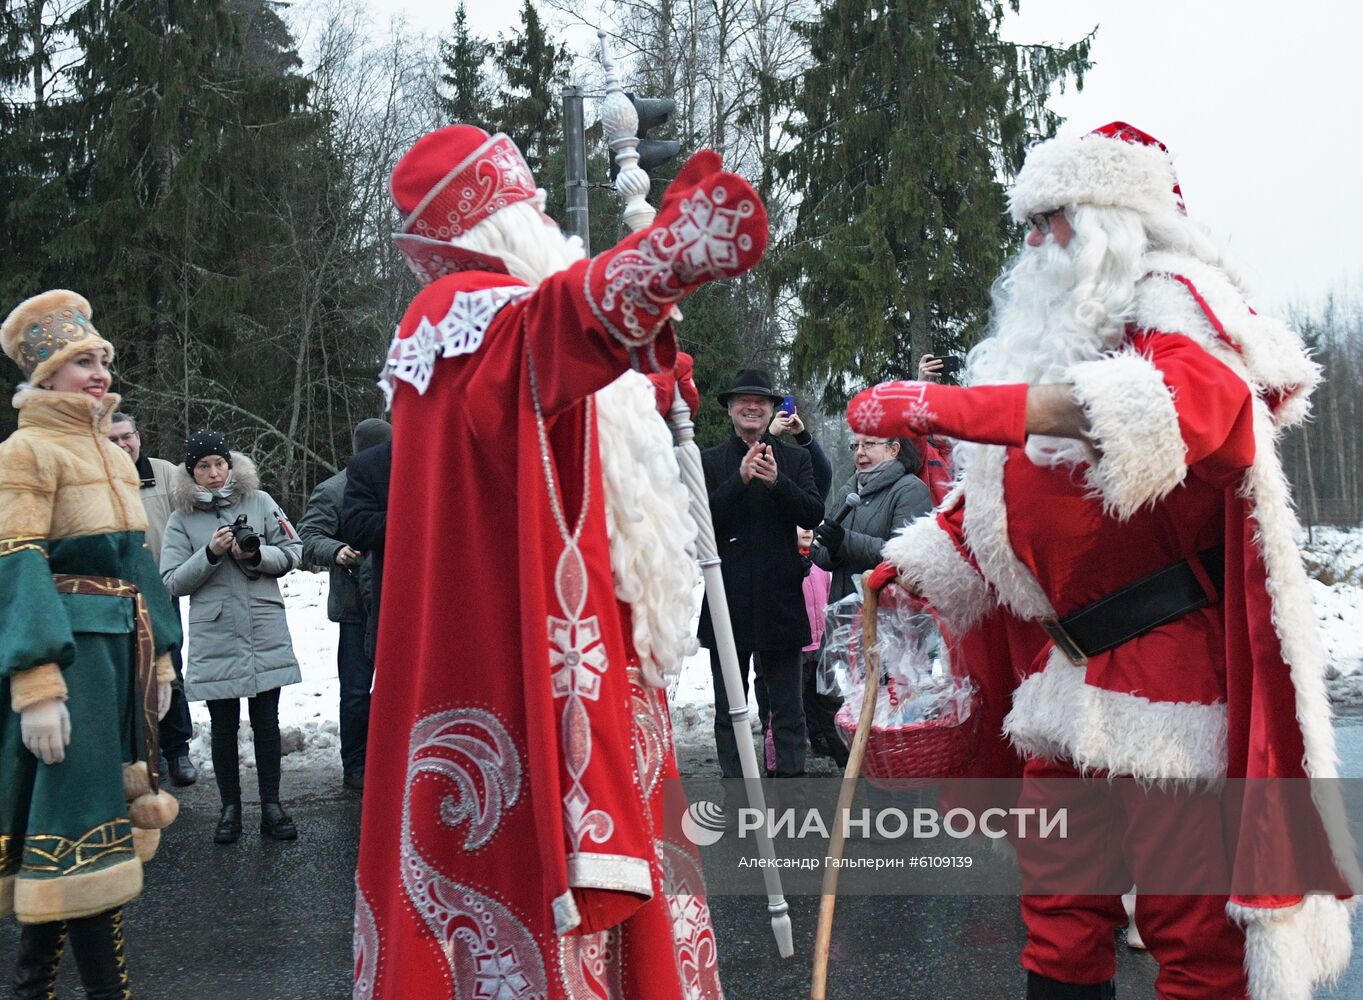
1041 221
123 438
857 446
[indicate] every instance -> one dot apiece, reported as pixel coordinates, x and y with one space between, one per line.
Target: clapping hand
759 463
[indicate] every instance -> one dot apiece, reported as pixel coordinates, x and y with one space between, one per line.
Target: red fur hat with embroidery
445 185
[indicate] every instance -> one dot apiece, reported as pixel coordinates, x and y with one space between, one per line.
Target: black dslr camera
244 535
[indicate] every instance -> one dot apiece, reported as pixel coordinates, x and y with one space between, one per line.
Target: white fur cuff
1133 424
1289 951
927 558
1058 716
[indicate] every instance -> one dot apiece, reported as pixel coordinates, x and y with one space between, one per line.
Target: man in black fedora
760 490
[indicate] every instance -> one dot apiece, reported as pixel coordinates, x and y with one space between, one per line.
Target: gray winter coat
319 528
239 642
890 499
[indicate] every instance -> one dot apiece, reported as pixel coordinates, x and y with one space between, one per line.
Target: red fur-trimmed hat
451 180
1116 166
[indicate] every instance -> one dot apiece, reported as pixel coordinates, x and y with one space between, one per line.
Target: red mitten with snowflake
711 225
989 414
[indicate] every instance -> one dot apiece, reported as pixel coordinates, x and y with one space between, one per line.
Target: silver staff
621 123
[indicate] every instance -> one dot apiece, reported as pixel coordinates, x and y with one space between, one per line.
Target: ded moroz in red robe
510 844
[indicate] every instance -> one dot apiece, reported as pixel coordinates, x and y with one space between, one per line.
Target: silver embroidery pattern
461 331
652 734
366 947
577 659
693 934
590 965
491 954
642 283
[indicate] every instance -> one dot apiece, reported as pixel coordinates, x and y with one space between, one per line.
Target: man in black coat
364 521
760 490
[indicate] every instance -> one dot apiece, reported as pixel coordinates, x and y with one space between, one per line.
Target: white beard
1055 307
648 518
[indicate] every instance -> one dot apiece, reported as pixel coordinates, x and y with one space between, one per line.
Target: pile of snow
309 712
1334 558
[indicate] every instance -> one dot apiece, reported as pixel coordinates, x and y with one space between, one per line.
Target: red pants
1110 842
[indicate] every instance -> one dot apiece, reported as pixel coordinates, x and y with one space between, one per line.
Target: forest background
218 189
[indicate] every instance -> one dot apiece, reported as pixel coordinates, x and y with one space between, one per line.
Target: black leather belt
1139 607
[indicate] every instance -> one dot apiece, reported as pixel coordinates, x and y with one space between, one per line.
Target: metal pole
575 161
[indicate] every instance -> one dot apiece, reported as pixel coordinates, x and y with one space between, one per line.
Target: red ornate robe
511 840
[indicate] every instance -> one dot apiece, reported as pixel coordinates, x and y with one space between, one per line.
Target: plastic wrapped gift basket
925 724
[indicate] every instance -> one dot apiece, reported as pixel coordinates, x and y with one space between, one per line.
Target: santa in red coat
540 595
1125 492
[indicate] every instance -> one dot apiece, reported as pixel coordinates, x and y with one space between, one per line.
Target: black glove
830 536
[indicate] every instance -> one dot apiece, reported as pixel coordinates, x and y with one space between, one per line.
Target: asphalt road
261 920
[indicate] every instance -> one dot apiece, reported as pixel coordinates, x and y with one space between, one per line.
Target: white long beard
648 519
1055 307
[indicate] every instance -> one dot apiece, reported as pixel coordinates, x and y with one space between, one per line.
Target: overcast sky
1255 99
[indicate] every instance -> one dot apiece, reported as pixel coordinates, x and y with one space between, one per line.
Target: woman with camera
226 545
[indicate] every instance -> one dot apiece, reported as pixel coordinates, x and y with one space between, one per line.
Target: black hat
751 382
201 444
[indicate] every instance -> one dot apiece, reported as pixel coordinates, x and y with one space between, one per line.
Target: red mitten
686 380
711 225
664 385
882 576
989 414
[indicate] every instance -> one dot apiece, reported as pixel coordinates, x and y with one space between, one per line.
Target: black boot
97 944
1041 988
40 952
275 822
182 769
229 824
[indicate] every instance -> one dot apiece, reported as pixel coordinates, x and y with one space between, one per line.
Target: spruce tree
529 103
465 96
908 120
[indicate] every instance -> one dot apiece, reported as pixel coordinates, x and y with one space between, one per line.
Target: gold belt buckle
1063 640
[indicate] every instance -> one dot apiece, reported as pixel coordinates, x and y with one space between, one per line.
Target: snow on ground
309 711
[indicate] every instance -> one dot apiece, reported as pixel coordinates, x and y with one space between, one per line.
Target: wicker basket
918 753
925 751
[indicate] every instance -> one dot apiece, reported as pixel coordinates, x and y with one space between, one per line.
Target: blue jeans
356 673
175 730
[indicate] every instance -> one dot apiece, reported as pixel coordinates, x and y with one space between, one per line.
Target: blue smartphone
787 405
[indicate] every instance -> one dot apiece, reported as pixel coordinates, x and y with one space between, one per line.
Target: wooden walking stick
621 122
829 891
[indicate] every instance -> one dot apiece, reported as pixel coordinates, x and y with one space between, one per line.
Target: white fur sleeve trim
1133 424
412 359
1057 715
1291 950
926 556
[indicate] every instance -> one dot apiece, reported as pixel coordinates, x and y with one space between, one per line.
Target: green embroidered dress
81 604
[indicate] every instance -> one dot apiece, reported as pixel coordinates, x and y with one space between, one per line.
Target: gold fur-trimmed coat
83 615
